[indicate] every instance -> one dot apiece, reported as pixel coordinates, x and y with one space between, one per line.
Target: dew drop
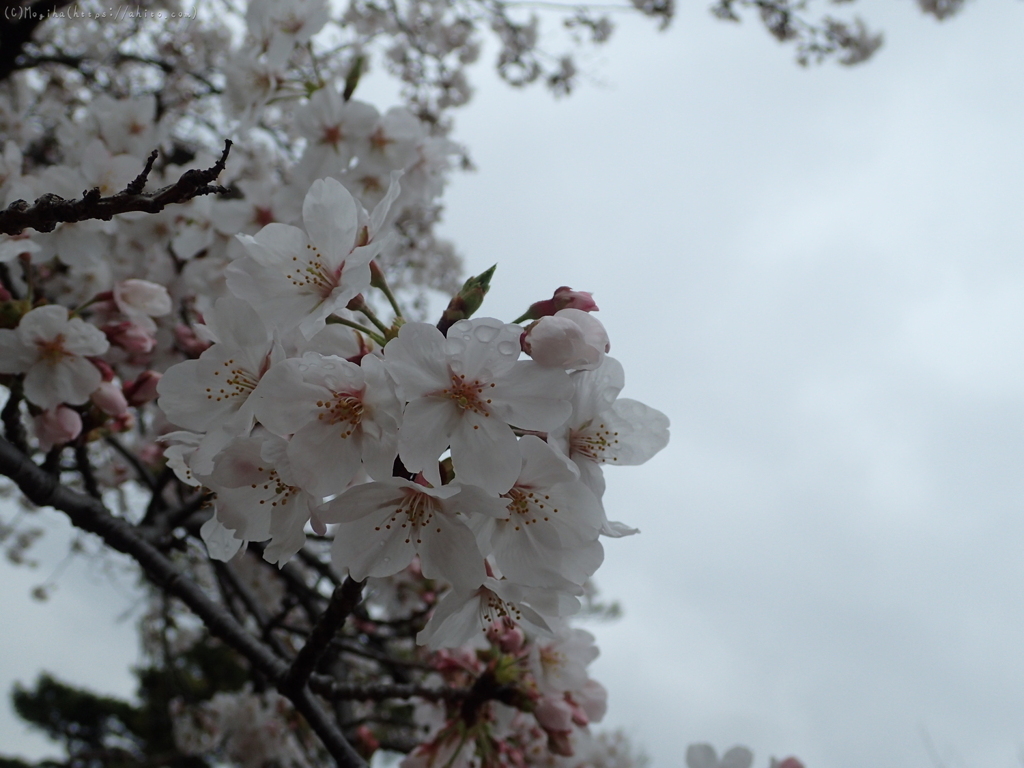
486 333
508 348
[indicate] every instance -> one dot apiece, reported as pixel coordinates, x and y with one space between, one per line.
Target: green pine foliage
104 732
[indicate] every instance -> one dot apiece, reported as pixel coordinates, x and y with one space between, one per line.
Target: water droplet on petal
456 346
508 348
486 333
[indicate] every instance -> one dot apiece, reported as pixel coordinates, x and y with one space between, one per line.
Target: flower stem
361 328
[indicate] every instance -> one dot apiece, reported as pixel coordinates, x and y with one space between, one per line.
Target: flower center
278 494
593 442
467 395
527 507
494 609
419 510
346 408
262 216
238 382
52 351
379 141
551 659
332 135
315 276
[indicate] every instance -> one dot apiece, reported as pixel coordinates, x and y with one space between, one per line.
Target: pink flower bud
560 743
366 742
143 389
103 367
150 453
121 423
130 336
188 342
109 399
512 641
141 297
790 762
553 714
592 699
56 427
564 298
507 636
569 339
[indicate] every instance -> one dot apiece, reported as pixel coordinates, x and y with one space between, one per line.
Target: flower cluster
447 448
254 361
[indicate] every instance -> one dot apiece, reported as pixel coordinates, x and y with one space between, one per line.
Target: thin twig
140 469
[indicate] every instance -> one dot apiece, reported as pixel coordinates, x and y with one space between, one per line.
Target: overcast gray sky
817 274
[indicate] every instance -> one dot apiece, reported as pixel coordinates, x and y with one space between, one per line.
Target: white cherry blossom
298 278
340 416
51 351
548 533
383 525
257 497
467 391
606 429
212 394
465 613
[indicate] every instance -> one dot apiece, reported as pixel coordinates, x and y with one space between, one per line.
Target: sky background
817 275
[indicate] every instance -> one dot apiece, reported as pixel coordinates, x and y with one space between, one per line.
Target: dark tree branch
84 467
49 210
345 598
91 515
14 430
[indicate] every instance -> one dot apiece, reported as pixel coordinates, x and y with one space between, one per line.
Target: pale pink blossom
569 339
339 416
109 398
298 278
548 531
467 391
465 613
560 665
211 394
141 299
257 497
56 427
553 714
607 429
51 351
383 525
